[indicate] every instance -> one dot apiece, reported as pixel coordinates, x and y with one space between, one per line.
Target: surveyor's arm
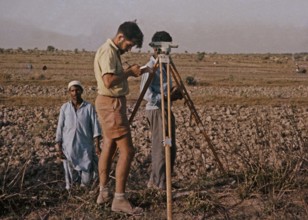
111 79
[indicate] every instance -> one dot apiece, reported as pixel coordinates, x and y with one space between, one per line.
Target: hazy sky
224 26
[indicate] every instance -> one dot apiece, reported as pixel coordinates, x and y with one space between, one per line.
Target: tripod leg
140 98
194 112
166 135
168 148
137 105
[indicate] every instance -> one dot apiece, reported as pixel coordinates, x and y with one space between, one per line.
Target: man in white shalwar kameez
77 132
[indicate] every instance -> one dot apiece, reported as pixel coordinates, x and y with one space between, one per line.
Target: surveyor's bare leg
126 154
104 166
105 161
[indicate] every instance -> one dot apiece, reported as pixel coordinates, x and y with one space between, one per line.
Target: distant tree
50 48
200 56
76 50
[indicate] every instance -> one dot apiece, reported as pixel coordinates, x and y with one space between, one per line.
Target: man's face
75 93
125 45
155 52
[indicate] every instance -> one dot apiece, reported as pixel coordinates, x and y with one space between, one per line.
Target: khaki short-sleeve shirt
107 60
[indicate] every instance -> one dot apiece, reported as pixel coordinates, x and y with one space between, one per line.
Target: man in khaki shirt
111 108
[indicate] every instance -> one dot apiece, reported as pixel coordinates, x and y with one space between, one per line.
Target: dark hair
161 36
131 32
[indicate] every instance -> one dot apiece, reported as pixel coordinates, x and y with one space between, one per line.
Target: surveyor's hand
175 93
135 70
146 69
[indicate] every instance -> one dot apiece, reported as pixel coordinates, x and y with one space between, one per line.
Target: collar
111 43
83 103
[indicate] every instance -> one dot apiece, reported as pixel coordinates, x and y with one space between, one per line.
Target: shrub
190 80
200 56
50 48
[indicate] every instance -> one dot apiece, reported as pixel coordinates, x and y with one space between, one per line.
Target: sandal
123 205
103 197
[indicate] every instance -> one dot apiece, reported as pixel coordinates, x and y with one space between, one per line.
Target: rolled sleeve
107 62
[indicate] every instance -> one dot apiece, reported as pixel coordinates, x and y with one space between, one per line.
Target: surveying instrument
164 59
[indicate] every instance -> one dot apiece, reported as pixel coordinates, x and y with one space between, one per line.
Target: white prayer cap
74 83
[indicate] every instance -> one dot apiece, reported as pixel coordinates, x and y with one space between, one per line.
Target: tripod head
163 46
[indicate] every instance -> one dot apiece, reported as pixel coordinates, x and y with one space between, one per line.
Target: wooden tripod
166 59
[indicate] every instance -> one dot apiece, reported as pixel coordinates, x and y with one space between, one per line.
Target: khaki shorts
112 116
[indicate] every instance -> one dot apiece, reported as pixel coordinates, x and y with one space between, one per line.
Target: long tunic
76 130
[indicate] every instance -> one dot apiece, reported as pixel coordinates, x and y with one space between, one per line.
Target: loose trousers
158 172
